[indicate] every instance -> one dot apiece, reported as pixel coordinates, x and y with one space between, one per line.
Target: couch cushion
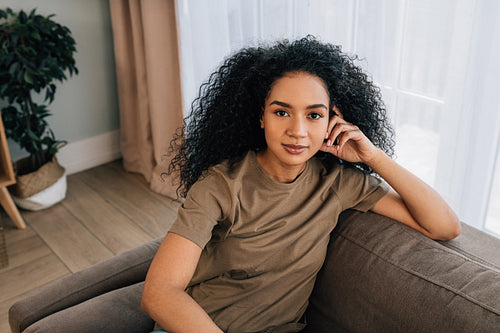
381 276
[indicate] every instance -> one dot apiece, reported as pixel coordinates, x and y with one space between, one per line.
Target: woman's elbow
458 229
148 299
455 232
145 302
452 230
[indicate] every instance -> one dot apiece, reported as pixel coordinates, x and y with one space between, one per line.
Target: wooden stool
7 178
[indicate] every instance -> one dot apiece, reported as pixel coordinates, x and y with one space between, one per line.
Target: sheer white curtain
436 63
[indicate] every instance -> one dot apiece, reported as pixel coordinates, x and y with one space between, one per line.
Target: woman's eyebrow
315 106
286 105
283 104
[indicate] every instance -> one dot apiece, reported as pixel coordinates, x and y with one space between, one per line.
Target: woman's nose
297 128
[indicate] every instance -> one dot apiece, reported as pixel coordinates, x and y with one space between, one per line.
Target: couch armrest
122 270
381 276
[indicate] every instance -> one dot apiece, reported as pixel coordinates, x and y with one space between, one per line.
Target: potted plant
35 52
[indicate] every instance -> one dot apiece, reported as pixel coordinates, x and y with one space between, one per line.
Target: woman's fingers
338 128
347 141
345 136
336 117
330 136
331 125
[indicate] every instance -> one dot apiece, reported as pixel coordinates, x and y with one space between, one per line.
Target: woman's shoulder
226 171
335 169
217 188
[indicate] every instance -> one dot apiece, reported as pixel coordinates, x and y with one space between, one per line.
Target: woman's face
295 119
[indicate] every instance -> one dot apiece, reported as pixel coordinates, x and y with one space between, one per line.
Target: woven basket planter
39 189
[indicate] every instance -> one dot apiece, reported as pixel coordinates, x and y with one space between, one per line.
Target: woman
281 140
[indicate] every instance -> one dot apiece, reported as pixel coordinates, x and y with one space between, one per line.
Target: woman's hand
410 201
347 141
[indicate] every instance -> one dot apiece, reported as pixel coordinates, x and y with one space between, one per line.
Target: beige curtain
149 88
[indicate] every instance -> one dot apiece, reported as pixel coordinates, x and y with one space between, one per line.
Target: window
435 62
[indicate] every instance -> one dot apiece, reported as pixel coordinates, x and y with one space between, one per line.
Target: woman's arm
412 202
164 297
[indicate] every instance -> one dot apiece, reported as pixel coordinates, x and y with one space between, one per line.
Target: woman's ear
261 119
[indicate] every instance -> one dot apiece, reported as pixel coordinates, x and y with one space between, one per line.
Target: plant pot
39 189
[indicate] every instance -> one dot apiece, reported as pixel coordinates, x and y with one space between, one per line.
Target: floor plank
29 277
141 181
110 225
24 246
137 203
67 237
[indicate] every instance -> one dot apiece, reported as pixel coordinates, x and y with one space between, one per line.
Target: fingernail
326 135
329 143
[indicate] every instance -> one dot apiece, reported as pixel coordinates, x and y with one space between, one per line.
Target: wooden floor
106 211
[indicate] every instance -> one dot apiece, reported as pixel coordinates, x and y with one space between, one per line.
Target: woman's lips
294 149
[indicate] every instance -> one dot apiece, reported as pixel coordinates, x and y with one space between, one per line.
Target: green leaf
14 38
32 135
35 147
28 78
13 68
48 141
22 17
9 113
3 88
36 35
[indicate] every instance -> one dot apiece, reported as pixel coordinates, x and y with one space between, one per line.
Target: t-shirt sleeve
201 211
358 190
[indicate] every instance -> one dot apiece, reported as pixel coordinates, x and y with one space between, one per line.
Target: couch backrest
381 276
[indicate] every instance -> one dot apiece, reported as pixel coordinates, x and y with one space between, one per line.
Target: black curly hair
224 119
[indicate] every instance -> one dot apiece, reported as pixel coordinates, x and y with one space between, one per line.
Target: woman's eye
281 113
315 116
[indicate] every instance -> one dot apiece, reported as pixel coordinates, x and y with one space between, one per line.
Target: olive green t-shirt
263 241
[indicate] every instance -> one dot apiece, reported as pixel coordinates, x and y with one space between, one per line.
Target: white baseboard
90 152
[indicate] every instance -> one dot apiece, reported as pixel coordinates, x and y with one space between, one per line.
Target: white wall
85 109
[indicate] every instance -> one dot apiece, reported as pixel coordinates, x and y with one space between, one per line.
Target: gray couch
379 276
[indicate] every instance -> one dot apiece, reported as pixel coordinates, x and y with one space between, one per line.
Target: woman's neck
277 171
